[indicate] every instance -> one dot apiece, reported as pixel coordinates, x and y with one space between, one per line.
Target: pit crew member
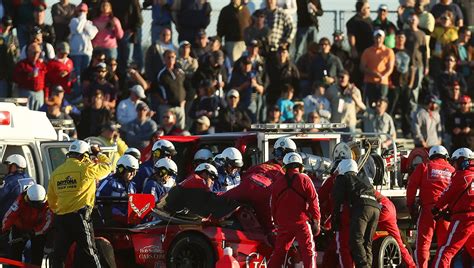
357 191
273 169
160 182
14 182
294 204
203 178
160 149
431 179
229 176
71 196
119 184
29 218
458 202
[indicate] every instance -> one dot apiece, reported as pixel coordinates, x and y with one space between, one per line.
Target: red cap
83 7
464 99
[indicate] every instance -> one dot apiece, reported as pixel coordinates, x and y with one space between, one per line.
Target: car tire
386 253
190 251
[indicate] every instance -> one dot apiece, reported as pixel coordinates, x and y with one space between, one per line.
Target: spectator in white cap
187 63
377 64
127 108
232 118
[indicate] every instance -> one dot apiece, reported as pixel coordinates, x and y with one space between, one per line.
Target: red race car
184 240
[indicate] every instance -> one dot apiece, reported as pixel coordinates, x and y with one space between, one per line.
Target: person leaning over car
71 195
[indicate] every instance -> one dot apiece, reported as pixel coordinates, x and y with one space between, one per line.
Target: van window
309 146
23 150
57 156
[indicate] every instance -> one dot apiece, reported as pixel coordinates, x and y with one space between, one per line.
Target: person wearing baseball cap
188 63
232 118
383 23
377 63
60 68
127 108
39 15
427 127
458 124
138 132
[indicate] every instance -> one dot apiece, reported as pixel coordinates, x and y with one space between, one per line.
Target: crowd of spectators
89 66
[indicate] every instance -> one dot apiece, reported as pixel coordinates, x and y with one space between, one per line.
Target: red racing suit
388 222
270 169
459 200
194 181
431 179
256 191
294 202
26 218
338 251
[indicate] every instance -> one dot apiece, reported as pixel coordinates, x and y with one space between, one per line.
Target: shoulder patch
14 207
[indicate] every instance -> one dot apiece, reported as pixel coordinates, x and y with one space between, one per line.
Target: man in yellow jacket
71 195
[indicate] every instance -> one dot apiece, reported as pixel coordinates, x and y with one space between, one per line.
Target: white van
31 134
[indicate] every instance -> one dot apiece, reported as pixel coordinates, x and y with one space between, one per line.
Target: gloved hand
435 211
315 228
414 212
95 149
335 223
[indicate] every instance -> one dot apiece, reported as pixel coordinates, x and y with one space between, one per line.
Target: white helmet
204 155
128 162
342 151
285 143
133 152
347 165
167 164
166 148
79 146
462 152
292 158
207 167
233 157
16 159
36 193
438 150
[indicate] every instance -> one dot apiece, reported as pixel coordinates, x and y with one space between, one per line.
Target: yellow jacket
72 185
114 156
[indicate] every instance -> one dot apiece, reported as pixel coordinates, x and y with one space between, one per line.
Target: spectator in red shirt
30 75
60 68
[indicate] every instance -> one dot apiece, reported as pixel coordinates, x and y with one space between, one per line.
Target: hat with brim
204 120
139 91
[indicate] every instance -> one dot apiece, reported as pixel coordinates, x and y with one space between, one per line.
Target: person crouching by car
161 181
294 204
118 184
29 218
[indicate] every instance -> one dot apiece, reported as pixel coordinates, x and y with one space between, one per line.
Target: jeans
373 92
110 53
4 89
304 35
125 52
138 50
35 98
80 63
23 33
